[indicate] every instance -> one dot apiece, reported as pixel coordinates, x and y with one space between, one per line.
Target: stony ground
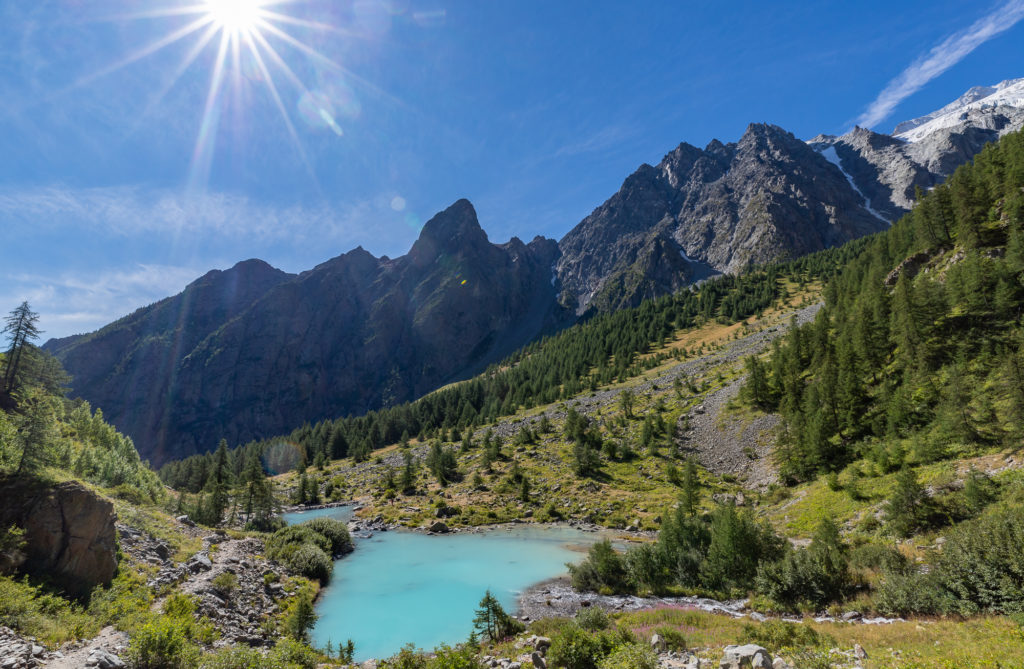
238 607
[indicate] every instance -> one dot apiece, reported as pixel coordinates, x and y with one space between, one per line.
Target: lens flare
237 16
255 43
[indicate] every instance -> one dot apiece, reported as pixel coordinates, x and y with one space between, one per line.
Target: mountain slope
354 333
766 197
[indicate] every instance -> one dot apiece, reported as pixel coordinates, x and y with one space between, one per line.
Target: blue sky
118 186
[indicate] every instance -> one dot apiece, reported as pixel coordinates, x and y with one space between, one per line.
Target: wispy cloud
940 58
134 210
73 303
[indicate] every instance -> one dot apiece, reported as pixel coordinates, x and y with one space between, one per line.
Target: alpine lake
402 587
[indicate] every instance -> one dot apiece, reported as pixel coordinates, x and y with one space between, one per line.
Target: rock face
69 532
252 352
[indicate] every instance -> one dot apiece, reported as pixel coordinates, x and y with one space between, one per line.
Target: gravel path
108 643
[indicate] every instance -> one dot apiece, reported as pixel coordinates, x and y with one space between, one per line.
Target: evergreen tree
21 329
689 498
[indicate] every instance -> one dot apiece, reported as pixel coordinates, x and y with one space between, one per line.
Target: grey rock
749 656
658 643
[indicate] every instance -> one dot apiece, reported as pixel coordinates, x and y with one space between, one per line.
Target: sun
235 16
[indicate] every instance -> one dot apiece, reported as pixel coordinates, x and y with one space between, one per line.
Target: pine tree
689 498
21 329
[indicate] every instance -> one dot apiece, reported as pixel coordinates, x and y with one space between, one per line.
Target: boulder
749 656
69 531
658 643
439 527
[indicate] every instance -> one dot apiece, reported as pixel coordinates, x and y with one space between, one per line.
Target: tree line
602 350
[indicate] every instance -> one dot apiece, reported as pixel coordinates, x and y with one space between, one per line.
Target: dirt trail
108 641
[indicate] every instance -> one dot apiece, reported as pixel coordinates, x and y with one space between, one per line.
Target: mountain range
252 351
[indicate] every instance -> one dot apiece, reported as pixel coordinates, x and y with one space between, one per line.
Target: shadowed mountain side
353 334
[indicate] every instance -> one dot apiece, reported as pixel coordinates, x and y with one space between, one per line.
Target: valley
735 417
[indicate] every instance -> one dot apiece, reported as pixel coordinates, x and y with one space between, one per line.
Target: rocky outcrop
253 352
700 212
69 532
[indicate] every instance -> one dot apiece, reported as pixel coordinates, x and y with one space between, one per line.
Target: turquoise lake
407 587
342 513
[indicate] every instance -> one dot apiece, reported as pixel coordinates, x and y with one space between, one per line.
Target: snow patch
831 156
1009 93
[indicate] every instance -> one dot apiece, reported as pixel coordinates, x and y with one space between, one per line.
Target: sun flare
236 16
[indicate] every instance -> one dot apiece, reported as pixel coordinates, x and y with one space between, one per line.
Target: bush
593 618
982 565
310 561
300 617
575 648
817 575
407 658
164 642
295 534
290 654
778 634
304 550
904 592
673 637
334 531
601 571
225 583
462 656
630 656
32 611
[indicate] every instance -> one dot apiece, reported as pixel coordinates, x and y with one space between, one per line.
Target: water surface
342 513
400 587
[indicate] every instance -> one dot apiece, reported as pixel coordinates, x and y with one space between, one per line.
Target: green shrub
593 618
295 534
905 592
236 657
180 605
291 654
225 582
164 642
304 550
334 531
630 656
817 575
982 565
407 658
34 612
300 616
462 656
673 637
602 570
778 634
575 648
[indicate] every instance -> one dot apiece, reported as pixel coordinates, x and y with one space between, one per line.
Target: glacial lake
403 587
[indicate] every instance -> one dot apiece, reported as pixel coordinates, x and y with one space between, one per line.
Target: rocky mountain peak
449 231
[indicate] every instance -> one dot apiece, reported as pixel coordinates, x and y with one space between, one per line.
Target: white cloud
940 58
133 210
76 303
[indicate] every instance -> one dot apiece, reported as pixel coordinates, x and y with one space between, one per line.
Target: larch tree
21 328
